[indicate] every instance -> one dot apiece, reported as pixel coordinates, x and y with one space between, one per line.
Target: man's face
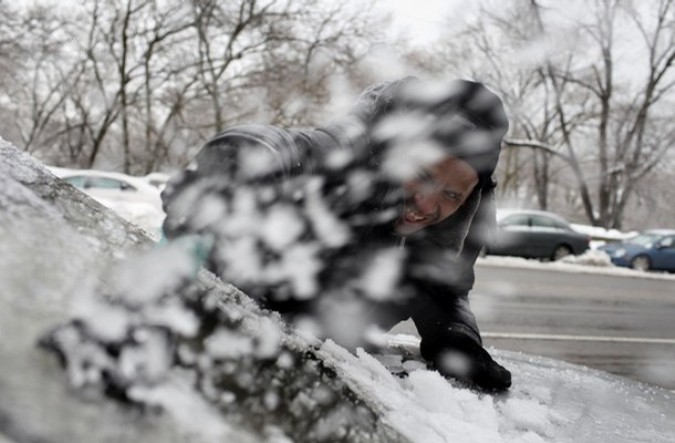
435 194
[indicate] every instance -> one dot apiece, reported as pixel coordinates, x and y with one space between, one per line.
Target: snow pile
549 401
601 234
596 258
589 258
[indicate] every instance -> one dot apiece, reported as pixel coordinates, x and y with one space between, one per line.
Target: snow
328 228
224 344
191 411
281 227
382 274
549 401
602 234
592 262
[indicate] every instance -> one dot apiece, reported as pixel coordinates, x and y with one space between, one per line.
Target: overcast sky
425 19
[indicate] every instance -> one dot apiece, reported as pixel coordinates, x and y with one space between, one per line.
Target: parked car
653 249
157 179
110 187
131 197
535 234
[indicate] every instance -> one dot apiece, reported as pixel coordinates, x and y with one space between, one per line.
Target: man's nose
426 201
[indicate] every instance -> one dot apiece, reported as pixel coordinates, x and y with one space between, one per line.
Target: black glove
459 356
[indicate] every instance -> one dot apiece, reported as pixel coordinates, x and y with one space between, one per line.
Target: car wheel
561 251
640 263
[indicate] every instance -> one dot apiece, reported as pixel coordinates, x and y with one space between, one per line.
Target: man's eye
451 195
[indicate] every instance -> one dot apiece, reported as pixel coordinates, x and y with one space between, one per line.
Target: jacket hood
461 118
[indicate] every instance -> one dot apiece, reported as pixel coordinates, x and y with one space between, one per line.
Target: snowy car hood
54 243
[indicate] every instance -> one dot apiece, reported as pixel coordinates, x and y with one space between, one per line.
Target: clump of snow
589 258
339 158
404 162
223 344
257 161
299 265
328 228
282 226
146 278
380 279
186 406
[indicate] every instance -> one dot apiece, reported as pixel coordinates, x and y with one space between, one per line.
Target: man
373 219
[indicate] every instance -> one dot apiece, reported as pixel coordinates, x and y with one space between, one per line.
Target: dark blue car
654 249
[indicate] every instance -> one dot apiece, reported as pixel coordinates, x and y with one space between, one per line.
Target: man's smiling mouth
413 216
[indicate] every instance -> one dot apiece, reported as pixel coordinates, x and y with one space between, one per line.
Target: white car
157 179
131 197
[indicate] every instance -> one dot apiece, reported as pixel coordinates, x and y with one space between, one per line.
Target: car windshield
646 240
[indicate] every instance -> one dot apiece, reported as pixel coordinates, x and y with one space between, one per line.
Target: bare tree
577 108
137 85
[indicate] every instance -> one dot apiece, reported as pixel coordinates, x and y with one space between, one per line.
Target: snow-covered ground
591 262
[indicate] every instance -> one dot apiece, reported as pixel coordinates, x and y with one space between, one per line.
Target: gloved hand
459 356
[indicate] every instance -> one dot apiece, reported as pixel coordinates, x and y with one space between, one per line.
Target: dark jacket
335 181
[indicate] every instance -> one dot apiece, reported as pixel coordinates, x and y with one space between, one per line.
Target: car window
646 240
76 180
667 242
107 183
516 220
547 222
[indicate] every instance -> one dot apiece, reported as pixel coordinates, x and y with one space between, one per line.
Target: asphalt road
622 325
